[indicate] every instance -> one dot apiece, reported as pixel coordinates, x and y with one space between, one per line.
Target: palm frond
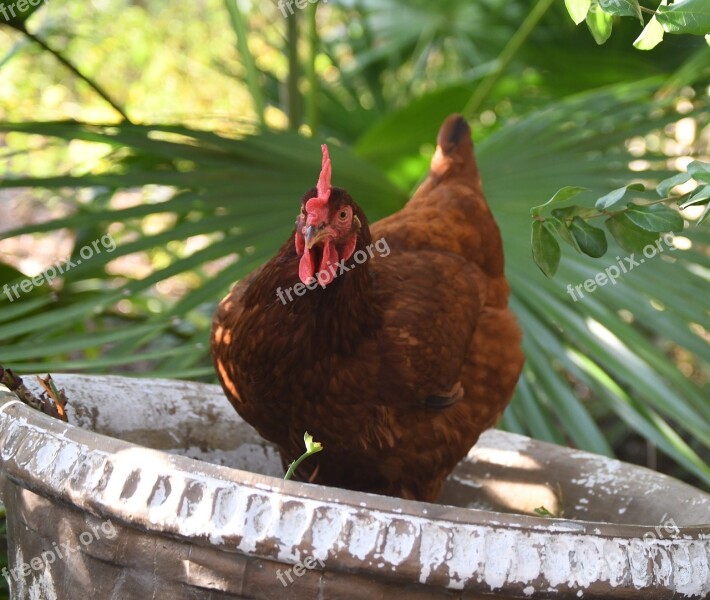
242 193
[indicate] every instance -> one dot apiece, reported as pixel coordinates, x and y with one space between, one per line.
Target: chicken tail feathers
454 151
453 132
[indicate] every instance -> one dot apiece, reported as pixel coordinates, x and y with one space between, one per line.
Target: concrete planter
115 506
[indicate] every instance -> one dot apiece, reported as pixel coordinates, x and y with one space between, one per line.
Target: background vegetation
224 106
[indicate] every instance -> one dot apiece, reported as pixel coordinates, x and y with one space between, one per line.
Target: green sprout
543 512
311 448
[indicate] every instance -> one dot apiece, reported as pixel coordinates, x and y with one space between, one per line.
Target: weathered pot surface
115 506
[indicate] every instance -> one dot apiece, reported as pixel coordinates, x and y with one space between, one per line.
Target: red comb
325 173
323 186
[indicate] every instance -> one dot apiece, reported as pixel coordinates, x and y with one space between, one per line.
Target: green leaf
311 446
622 8
568 408
560 195
600 25
617 196
651 36
578 9
70 344
699 196
637 414
640 365
536 416
655 217
9 274
545 249
591 240
563 231
664 188
543 512
700 171
628 235
685 16
23 308
566 213
99 364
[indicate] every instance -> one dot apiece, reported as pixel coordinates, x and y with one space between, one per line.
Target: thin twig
506 56
93 84
611 213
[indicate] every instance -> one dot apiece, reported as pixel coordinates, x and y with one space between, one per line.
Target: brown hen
396 365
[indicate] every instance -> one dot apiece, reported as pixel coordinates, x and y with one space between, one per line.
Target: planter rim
34 420
267 517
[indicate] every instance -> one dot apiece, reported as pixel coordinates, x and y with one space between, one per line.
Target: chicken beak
313 235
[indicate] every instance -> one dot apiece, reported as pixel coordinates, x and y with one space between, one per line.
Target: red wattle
328 264
327 269
306 268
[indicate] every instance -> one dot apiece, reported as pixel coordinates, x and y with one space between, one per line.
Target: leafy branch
634 226
683 16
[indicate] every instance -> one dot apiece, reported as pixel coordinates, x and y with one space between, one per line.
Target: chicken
401 350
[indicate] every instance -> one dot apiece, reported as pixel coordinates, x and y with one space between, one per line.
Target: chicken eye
343 215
